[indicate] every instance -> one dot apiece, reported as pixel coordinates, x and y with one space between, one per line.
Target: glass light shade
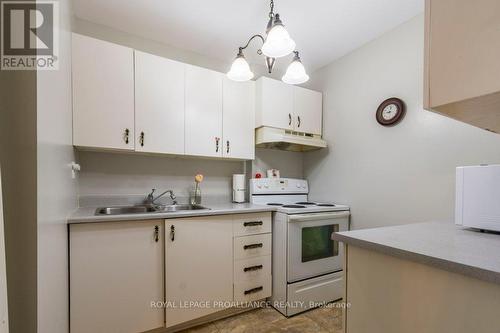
295 73
278 42
240 70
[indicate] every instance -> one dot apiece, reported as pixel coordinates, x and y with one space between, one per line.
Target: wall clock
390 111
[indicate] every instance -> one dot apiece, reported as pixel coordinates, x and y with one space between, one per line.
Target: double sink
142 209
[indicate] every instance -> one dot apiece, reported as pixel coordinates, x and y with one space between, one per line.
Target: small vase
195 196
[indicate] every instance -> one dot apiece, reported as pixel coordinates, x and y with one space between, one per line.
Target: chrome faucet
150 199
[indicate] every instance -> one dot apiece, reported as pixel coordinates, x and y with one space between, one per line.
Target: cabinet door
103 94
463 49
308 110
116 271
238 119
199 266
159 104
274 103
203 136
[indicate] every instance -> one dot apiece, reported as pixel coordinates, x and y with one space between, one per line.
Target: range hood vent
282 139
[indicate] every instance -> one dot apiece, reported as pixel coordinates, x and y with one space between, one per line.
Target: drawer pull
252 246
252 268
254 290
252 223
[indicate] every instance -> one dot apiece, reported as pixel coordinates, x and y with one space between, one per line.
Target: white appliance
4 322
307 263
239 188
477 201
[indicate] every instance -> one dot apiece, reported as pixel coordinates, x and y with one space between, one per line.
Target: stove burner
274 204
293 206
325 205
305 203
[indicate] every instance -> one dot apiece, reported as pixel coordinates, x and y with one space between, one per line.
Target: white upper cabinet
124 99
203 112
307 106
238 119
159 104
274 104
285 106
103 94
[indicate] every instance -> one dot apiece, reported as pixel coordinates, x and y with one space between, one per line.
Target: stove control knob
266 185
298 185
259 186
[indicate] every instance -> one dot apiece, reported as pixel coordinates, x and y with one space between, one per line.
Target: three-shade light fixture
277 44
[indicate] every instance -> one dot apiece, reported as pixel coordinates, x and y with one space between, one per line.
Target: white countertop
440 244
87 214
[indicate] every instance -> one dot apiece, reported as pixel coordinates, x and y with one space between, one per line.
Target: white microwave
477 201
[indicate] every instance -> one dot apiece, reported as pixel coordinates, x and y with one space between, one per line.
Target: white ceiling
323 30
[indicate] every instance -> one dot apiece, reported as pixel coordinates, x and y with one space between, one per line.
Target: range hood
283 139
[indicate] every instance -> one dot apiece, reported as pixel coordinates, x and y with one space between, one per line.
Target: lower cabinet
215 262
136 276
116 271
198 267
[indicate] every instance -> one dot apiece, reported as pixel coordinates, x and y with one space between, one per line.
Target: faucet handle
151 195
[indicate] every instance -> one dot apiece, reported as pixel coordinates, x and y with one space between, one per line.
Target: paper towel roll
239 186
239 182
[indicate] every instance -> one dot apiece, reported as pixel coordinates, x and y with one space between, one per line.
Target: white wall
56 188
393 175
289 163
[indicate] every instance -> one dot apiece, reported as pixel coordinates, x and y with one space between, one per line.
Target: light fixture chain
271 13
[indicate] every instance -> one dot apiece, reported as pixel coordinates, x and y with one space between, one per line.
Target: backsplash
121 178
119 174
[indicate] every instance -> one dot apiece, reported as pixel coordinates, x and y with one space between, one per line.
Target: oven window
317 242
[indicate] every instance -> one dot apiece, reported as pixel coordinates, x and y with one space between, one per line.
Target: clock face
390 111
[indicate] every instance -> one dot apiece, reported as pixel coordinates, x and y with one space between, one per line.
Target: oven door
311 251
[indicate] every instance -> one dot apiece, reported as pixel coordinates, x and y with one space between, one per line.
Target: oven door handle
318 216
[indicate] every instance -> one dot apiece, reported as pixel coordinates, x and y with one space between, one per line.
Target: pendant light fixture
240 70
277 44
295 73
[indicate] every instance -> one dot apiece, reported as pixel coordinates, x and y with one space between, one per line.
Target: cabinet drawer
253 290
251 224
252 269
252 246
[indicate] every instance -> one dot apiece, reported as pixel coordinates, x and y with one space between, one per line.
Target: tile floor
268 320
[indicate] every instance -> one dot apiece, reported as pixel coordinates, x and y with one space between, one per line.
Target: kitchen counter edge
87 214
443 245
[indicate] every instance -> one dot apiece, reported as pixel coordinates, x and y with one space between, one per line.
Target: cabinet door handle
172 233
252 268
126 135
298 121
227 144
289 119
252 223
141 140
254 290
157 233
217 144
252 246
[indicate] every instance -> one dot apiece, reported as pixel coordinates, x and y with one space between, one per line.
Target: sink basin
177 208
125 210
146 209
